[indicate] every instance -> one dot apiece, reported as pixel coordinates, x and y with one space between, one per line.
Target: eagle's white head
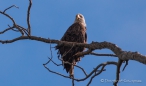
80 19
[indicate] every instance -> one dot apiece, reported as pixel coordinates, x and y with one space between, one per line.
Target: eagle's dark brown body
75 33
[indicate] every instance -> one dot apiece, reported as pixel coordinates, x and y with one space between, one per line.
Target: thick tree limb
123 55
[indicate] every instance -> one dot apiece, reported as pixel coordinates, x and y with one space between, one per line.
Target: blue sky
120 22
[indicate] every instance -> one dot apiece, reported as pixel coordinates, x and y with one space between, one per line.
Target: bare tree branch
82 69
125 65
124 55
118 72
81 54
96 54
10 28
54 62
86 77
103 65
54 71
14 23
28 17
73 83
13 29
8 17
24 30
10 8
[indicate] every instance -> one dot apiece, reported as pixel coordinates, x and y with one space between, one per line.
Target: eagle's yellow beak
78 17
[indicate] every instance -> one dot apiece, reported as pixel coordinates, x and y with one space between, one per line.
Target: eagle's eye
81 16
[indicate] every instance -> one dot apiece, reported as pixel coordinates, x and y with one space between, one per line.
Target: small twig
9 8
64 53
81 69
73 83
125 65
14 29
103 65
47 62
28 17
93 53
54 62
53 71
8 17
19 28
89 52
81 54
23 30
107 63
102 69
14 23
51 49
67 51
10 28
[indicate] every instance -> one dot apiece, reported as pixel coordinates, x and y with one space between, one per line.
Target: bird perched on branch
75 33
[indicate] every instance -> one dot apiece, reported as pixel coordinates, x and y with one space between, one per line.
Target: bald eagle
75 33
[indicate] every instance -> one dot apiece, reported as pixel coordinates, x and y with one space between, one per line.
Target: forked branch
10 8
87 76
10 28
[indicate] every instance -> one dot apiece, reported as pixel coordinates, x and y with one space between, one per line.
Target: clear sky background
120 22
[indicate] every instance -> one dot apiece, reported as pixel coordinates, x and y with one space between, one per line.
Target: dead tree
123 56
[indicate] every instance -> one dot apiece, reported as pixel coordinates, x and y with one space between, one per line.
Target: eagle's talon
71 76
